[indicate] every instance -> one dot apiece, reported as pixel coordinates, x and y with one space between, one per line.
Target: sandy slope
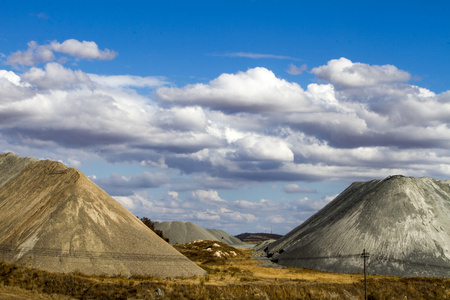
403 222
53 217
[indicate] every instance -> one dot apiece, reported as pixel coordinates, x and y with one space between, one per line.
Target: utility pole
365 255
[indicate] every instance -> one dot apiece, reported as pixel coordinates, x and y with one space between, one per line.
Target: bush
151 225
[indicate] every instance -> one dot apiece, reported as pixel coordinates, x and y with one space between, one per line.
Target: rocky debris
54 218
402 222
205 251
159 292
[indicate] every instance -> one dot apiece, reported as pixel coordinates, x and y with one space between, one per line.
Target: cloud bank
357 122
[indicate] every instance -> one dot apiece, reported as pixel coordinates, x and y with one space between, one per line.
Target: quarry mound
185 232
55 218
402 222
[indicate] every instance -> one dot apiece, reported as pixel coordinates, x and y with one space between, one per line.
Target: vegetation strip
233 277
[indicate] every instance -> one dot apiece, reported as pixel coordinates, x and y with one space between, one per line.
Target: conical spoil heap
54 218
402 222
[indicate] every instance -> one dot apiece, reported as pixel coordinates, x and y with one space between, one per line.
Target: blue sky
246 116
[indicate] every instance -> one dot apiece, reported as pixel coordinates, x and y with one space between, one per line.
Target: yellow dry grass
243 268
229 277
16 293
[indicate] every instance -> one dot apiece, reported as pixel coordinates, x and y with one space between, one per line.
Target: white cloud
44 53
77 113
128 202
209 197
286 139
74 163
263 148
173 194
11 77
34 54
238 216
84 49
55 76
12 88
256 90
121 81
345 73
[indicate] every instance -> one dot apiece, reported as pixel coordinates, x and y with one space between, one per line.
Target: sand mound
403 222
185 232
264 245
11 165
228 239
53 217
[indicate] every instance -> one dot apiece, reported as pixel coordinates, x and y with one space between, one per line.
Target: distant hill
55 218
402 222
184 232
257 237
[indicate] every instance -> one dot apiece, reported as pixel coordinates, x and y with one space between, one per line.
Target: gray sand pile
54 218
402 222
185 232
263 245
228 239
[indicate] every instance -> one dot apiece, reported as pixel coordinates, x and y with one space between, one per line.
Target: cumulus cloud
12 88
249 125
208 197
343 121
75 112
34 54
84 49
44 53
55 76
263 148
345 73
256 90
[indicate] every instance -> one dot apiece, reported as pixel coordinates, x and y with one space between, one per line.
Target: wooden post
365 255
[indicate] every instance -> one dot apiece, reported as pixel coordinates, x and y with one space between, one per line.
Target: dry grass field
232 274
